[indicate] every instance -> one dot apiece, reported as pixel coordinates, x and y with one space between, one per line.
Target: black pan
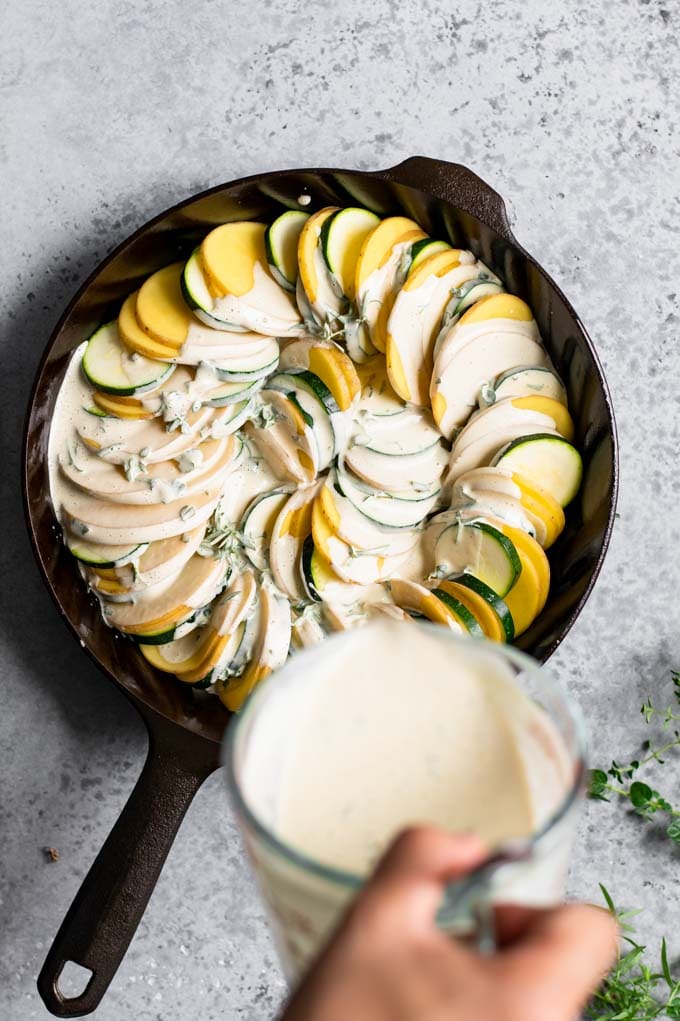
185 727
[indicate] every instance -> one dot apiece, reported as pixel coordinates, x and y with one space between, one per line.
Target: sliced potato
414 323
161 310
135 338
309 251
229 254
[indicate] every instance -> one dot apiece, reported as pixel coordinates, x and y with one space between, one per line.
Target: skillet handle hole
73 980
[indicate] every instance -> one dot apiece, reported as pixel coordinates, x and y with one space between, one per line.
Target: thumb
408 884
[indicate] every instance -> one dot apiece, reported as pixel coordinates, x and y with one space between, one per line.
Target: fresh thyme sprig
633 991
617 780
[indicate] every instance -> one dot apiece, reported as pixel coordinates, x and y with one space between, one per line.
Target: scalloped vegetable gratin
307 424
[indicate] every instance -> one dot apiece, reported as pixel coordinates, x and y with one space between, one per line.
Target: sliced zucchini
342 236
421 602
401 435
166 633
392 510
465 361
281 244
326 361
311 567
291 527
251 366
197 295
523 381
320 423
110 366
306 392
358 341
548 462
397 474
524 598
423 249
475 593
465 617
97 412
232 393
312 384
480 549
468 293
257 525
355 528
99 555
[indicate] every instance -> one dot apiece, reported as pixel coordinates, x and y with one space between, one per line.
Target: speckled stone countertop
112 111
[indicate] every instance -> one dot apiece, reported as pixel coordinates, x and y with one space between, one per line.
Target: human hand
388 961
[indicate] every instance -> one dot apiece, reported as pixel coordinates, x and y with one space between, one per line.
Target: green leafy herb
634 991
618 779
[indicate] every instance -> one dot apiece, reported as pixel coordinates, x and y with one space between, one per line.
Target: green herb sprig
645 801
634 991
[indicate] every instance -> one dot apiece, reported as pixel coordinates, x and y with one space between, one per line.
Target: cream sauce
266 308
396 726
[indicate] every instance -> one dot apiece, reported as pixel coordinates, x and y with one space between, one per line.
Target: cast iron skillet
185 727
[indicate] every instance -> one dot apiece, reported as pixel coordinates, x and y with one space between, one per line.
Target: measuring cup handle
106 911
467 907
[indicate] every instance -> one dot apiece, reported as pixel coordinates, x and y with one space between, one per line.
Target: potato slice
161 310
134 337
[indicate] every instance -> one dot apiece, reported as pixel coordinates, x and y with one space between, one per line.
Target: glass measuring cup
304 896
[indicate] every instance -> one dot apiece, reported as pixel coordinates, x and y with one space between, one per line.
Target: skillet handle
454 183
106 911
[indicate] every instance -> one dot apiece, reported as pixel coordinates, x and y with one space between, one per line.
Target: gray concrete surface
111 111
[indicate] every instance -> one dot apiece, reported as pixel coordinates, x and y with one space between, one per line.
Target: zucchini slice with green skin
423 249
98 555
177 630
525 381
342 236
310 382
97 412
310 568
466 619
547 461
231 393
198 298
393 511
467 294
110 366
281 242
197 295
258 522
316 404
478 548
250 367
492 598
